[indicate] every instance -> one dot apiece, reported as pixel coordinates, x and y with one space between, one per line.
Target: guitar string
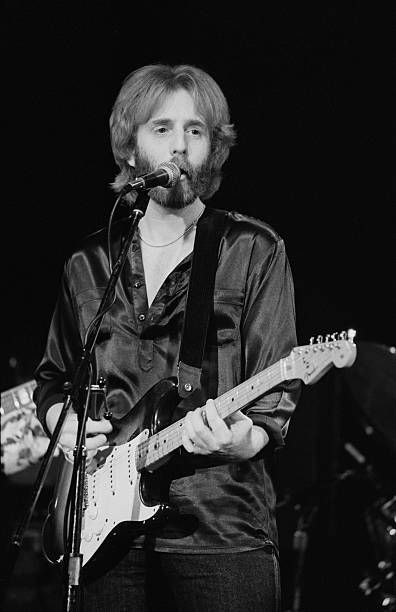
242 393
172 433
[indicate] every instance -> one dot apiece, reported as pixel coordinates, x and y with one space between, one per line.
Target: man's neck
161 224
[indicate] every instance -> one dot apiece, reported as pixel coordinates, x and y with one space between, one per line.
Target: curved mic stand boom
75 391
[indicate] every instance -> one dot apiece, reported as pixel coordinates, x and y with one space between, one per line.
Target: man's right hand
96 430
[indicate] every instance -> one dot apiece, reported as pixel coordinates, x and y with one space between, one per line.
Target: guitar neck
170 438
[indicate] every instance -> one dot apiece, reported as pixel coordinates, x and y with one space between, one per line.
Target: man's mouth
184 174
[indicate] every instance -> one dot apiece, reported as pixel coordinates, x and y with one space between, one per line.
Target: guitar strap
199 304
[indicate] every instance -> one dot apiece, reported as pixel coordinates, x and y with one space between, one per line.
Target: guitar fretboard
170 438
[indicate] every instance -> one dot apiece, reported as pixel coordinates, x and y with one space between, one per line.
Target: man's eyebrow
197 122
160 121
188 123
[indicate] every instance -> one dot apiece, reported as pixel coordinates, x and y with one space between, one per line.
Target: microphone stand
74 392
300 545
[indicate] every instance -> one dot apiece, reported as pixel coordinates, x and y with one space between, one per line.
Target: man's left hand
233 439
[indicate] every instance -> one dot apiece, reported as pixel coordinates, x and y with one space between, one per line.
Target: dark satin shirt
252 327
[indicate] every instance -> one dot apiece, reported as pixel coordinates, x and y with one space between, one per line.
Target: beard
185 192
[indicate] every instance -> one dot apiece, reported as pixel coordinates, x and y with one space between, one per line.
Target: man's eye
195 132
161 130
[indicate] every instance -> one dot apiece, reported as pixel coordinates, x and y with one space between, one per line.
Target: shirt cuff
275 433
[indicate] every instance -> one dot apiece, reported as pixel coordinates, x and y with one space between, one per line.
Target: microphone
166 175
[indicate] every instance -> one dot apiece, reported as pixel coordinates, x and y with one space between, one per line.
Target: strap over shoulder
210 230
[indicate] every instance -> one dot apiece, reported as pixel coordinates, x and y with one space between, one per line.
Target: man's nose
179 143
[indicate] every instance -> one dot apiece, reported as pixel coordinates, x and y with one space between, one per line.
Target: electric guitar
124 487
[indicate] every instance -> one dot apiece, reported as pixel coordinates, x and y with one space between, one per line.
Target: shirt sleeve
268 330
61 353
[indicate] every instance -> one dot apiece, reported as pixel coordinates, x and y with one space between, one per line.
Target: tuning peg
319 339
311 340
351 334
334 337
327 339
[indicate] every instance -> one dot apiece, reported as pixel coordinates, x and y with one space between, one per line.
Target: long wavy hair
144 90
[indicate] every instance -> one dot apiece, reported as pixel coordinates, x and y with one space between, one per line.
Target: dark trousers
151 582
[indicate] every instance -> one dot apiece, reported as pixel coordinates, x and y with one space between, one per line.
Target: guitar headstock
311 362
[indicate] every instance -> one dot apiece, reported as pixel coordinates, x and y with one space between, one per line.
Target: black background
306 88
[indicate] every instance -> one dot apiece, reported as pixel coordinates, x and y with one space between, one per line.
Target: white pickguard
113 496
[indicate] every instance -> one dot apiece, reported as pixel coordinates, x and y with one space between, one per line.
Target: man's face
176 133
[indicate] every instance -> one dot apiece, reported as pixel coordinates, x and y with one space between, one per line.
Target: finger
218 427
68 441
96 427
92 427
69 424
192 426
202 435
188 445
95 441
213 419
239 422
191 447
197 433
238 416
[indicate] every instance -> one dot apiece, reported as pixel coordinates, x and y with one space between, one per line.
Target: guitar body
120 501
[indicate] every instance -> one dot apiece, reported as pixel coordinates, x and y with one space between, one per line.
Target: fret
307 363
170 438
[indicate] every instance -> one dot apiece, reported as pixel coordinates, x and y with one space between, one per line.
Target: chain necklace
186 231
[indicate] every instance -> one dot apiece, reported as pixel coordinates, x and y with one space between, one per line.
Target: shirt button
137 284
142 317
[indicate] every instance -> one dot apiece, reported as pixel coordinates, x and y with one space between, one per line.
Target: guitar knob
92 512
87 536
351 333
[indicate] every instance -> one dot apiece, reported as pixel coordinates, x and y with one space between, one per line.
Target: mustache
184 166
144 165
192 173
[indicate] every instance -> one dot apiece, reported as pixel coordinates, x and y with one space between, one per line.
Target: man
227 560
